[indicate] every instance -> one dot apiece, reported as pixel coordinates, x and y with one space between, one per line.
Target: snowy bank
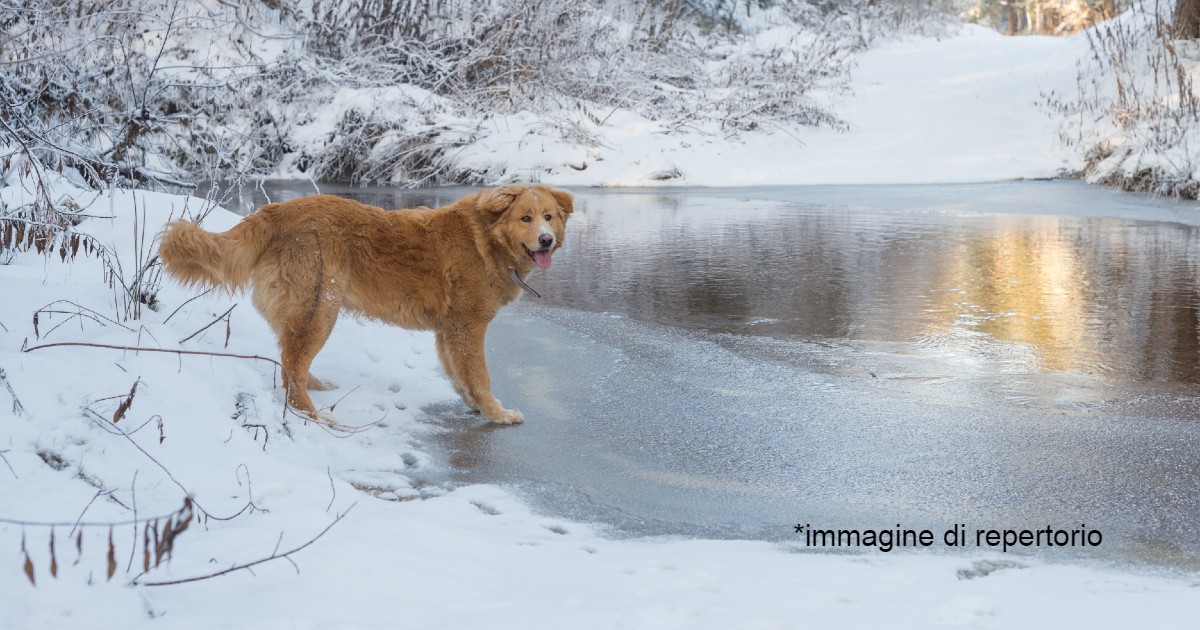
1132 114
962 108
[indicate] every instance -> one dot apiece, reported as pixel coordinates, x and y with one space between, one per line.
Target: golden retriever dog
448 270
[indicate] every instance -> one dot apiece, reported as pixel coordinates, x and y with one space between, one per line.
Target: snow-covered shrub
926 18
770 85
1135 117
116 93
132 91
388 91
569 64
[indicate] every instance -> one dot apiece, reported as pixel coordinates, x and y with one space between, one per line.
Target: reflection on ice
1085 293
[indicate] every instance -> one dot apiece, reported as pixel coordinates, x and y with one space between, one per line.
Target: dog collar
521 283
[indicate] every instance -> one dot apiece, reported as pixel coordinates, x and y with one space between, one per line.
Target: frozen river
732 362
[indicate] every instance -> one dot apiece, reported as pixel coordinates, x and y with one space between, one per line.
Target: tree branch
246 565
81 344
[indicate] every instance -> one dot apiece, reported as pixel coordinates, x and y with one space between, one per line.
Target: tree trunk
1186 24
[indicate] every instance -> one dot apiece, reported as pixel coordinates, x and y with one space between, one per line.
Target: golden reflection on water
1080 294
1101 296
1023 287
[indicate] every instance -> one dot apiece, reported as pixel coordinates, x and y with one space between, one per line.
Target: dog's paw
507 416
319 385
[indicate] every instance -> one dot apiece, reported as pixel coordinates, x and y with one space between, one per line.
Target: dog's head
529 220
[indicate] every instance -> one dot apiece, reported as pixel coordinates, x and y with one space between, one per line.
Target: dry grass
1135 115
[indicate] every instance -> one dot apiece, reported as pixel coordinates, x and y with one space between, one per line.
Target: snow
962 108
956 110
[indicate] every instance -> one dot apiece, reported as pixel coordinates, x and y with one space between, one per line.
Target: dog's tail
197 257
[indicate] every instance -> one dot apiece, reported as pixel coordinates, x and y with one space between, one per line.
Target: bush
1134 116
165 93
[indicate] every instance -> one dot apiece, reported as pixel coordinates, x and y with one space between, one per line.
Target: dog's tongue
542 258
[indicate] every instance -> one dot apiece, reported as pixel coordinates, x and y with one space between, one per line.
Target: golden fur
447 270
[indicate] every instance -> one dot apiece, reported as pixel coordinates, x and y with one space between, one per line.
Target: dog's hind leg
452 374
302 324
304 332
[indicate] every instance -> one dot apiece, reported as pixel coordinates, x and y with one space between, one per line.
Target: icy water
730 363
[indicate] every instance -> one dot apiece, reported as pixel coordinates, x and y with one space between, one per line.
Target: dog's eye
549 218
527 218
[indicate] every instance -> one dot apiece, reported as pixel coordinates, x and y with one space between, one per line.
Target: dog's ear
493 202
563 199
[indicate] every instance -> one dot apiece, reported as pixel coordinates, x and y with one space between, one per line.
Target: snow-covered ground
213 427
959 109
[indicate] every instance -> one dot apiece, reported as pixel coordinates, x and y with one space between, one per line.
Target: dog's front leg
464 352
451 373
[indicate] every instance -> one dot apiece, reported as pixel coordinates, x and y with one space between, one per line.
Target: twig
125 395
133 501
81 344
17 407
209 325
238 567
112 428
14 472
103 422
331 487
344 396
249 484
83 311
266 433
189 301
142 328
345 431
25 523
85 509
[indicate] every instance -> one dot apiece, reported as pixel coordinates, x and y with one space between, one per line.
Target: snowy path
962 109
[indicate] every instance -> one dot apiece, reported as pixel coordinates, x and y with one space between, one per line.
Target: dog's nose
546 240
